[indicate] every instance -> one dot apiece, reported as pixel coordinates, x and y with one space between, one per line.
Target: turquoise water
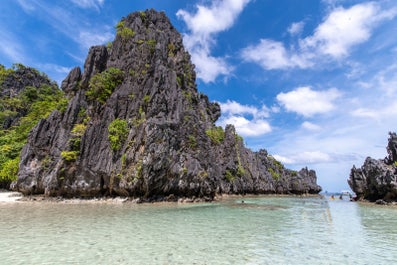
263 230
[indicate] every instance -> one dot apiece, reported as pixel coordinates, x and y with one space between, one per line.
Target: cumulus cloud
232 107
344 28
309 157
310 126
334 38
245 127
203 25
308 102
208 68
248 120
270 54
296 28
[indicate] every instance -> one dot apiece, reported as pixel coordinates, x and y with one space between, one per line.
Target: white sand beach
10 196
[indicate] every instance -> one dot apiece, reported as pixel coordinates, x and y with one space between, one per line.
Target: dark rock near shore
153 136
377 178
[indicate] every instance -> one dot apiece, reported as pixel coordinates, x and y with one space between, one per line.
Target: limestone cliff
377 178
137 126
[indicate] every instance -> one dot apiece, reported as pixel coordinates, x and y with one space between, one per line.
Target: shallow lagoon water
262 230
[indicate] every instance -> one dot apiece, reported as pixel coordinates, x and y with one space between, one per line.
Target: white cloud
310 126
333 39
90 38
245 127
377 96
96 4
377 113
203 25
208 68
344 28
308 102
234 108
248 120
216 18
272 55
308 157
296 28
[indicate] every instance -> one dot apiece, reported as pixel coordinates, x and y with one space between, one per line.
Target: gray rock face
166 144
377 179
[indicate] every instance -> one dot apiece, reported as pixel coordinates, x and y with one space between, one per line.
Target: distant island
132 124
376 180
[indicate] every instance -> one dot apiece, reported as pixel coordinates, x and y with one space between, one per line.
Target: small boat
352 196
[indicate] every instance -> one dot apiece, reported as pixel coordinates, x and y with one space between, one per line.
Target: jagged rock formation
377 178
136 126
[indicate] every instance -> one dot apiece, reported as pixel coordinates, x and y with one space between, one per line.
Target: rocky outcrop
377 178
137 126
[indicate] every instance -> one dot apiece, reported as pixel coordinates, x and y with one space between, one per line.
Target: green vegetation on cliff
118 133
102 84
20 112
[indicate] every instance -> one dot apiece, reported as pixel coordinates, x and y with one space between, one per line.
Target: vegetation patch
76 134
229 176
278 164
118 133
240 170
4 72
146 99
192 141
69 156
9 171
152 45
124 32
275 175
171 50
216 134
102 84
109 45
142 14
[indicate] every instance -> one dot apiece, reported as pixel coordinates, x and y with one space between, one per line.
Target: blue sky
314 82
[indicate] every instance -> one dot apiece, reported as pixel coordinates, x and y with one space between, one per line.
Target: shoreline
10 196
17 197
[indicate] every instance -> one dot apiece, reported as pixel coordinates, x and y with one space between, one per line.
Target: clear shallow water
263 230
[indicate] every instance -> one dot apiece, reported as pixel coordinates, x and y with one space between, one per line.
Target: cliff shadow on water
135 125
